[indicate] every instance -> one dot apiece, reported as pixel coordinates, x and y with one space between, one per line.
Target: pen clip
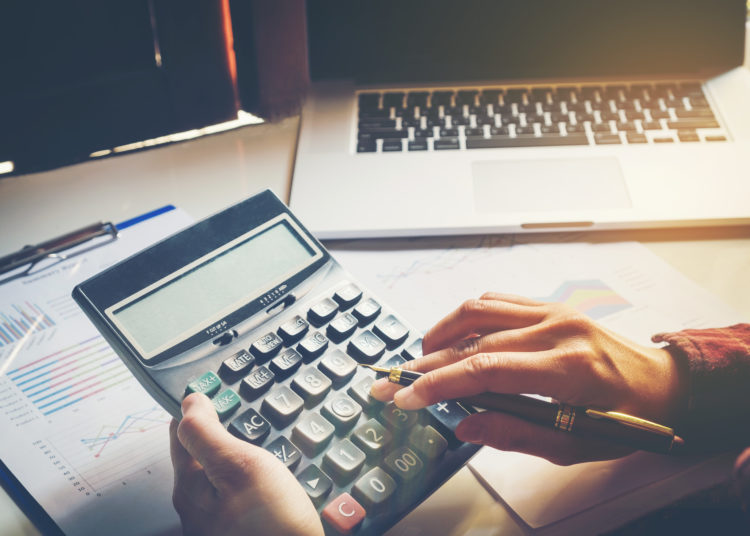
633 422
29 256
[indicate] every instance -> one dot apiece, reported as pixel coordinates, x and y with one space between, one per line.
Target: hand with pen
509 344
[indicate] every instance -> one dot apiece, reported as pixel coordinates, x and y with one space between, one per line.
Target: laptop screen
442 40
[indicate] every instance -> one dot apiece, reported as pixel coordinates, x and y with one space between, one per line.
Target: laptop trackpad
555 184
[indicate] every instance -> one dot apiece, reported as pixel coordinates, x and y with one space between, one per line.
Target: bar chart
19 320
68 376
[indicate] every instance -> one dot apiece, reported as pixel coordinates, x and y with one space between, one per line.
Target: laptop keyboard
441 120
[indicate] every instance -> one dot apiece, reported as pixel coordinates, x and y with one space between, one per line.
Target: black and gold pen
613 426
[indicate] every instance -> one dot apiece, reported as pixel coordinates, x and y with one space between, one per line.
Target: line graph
135 423
104 454
592 297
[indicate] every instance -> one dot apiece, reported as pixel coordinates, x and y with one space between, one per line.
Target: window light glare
6 167
243 119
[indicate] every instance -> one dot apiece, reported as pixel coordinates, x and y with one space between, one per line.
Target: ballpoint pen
617 427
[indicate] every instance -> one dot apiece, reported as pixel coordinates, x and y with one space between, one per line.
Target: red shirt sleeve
718 413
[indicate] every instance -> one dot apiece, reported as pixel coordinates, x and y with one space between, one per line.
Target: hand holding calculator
249 309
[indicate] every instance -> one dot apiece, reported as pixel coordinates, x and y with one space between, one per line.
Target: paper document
79 432
622 285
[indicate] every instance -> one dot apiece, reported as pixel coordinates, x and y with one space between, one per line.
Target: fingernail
406 398
379 386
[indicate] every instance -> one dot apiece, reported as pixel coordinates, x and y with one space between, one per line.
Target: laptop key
636 137
392 146
365 124
386 133
603 138
689 124
418 145
446 143
526 141
688 135
367 146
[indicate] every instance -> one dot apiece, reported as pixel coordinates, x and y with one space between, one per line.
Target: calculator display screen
175 307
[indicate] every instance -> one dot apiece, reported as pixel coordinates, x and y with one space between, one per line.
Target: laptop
458 117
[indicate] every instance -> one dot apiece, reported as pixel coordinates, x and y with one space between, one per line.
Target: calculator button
360 392
208 384
256 383
322 312
292 330
284 364
413 351
312 385
428 442
445 416
391 330
404 464
343 461
374 489
342 327
226 403
281 406
338 366
267 346
394 361
285 451
343 514
251 427
397 419
315 483
312 433
237 363
342 411
366 347
347 295
366 311
372 438
312 346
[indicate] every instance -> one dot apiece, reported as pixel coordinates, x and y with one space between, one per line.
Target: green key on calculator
248 308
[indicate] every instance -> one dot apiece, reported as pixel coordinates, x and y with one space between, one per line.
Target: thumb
205 438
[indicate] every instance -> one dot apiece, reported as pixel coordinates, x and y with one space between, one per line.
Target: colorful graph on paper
22 319
66 377
135 423
590 296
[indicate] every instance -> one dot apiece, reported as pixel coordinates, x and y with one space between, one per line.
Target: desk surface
205 175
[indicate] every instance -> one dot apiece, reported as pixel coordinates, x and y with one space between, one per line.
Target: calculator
248 308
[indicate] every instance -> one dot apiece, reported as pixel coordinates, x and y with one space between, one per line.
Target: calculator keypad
297 391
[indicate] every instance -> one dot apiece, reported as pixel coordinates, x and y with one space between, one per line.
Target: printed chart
591 297
107 454
20 320
68 376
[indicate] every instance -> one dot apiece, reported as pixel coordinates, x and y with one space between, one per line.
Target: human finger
205 439
506 432
191 486
517 340
479 316
501 372
511 298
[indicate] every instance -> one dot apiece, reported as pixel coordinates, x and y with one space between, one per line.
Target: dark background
80 76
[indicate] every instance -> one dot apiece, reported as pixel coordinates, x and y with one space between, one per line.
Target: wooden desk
205 175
